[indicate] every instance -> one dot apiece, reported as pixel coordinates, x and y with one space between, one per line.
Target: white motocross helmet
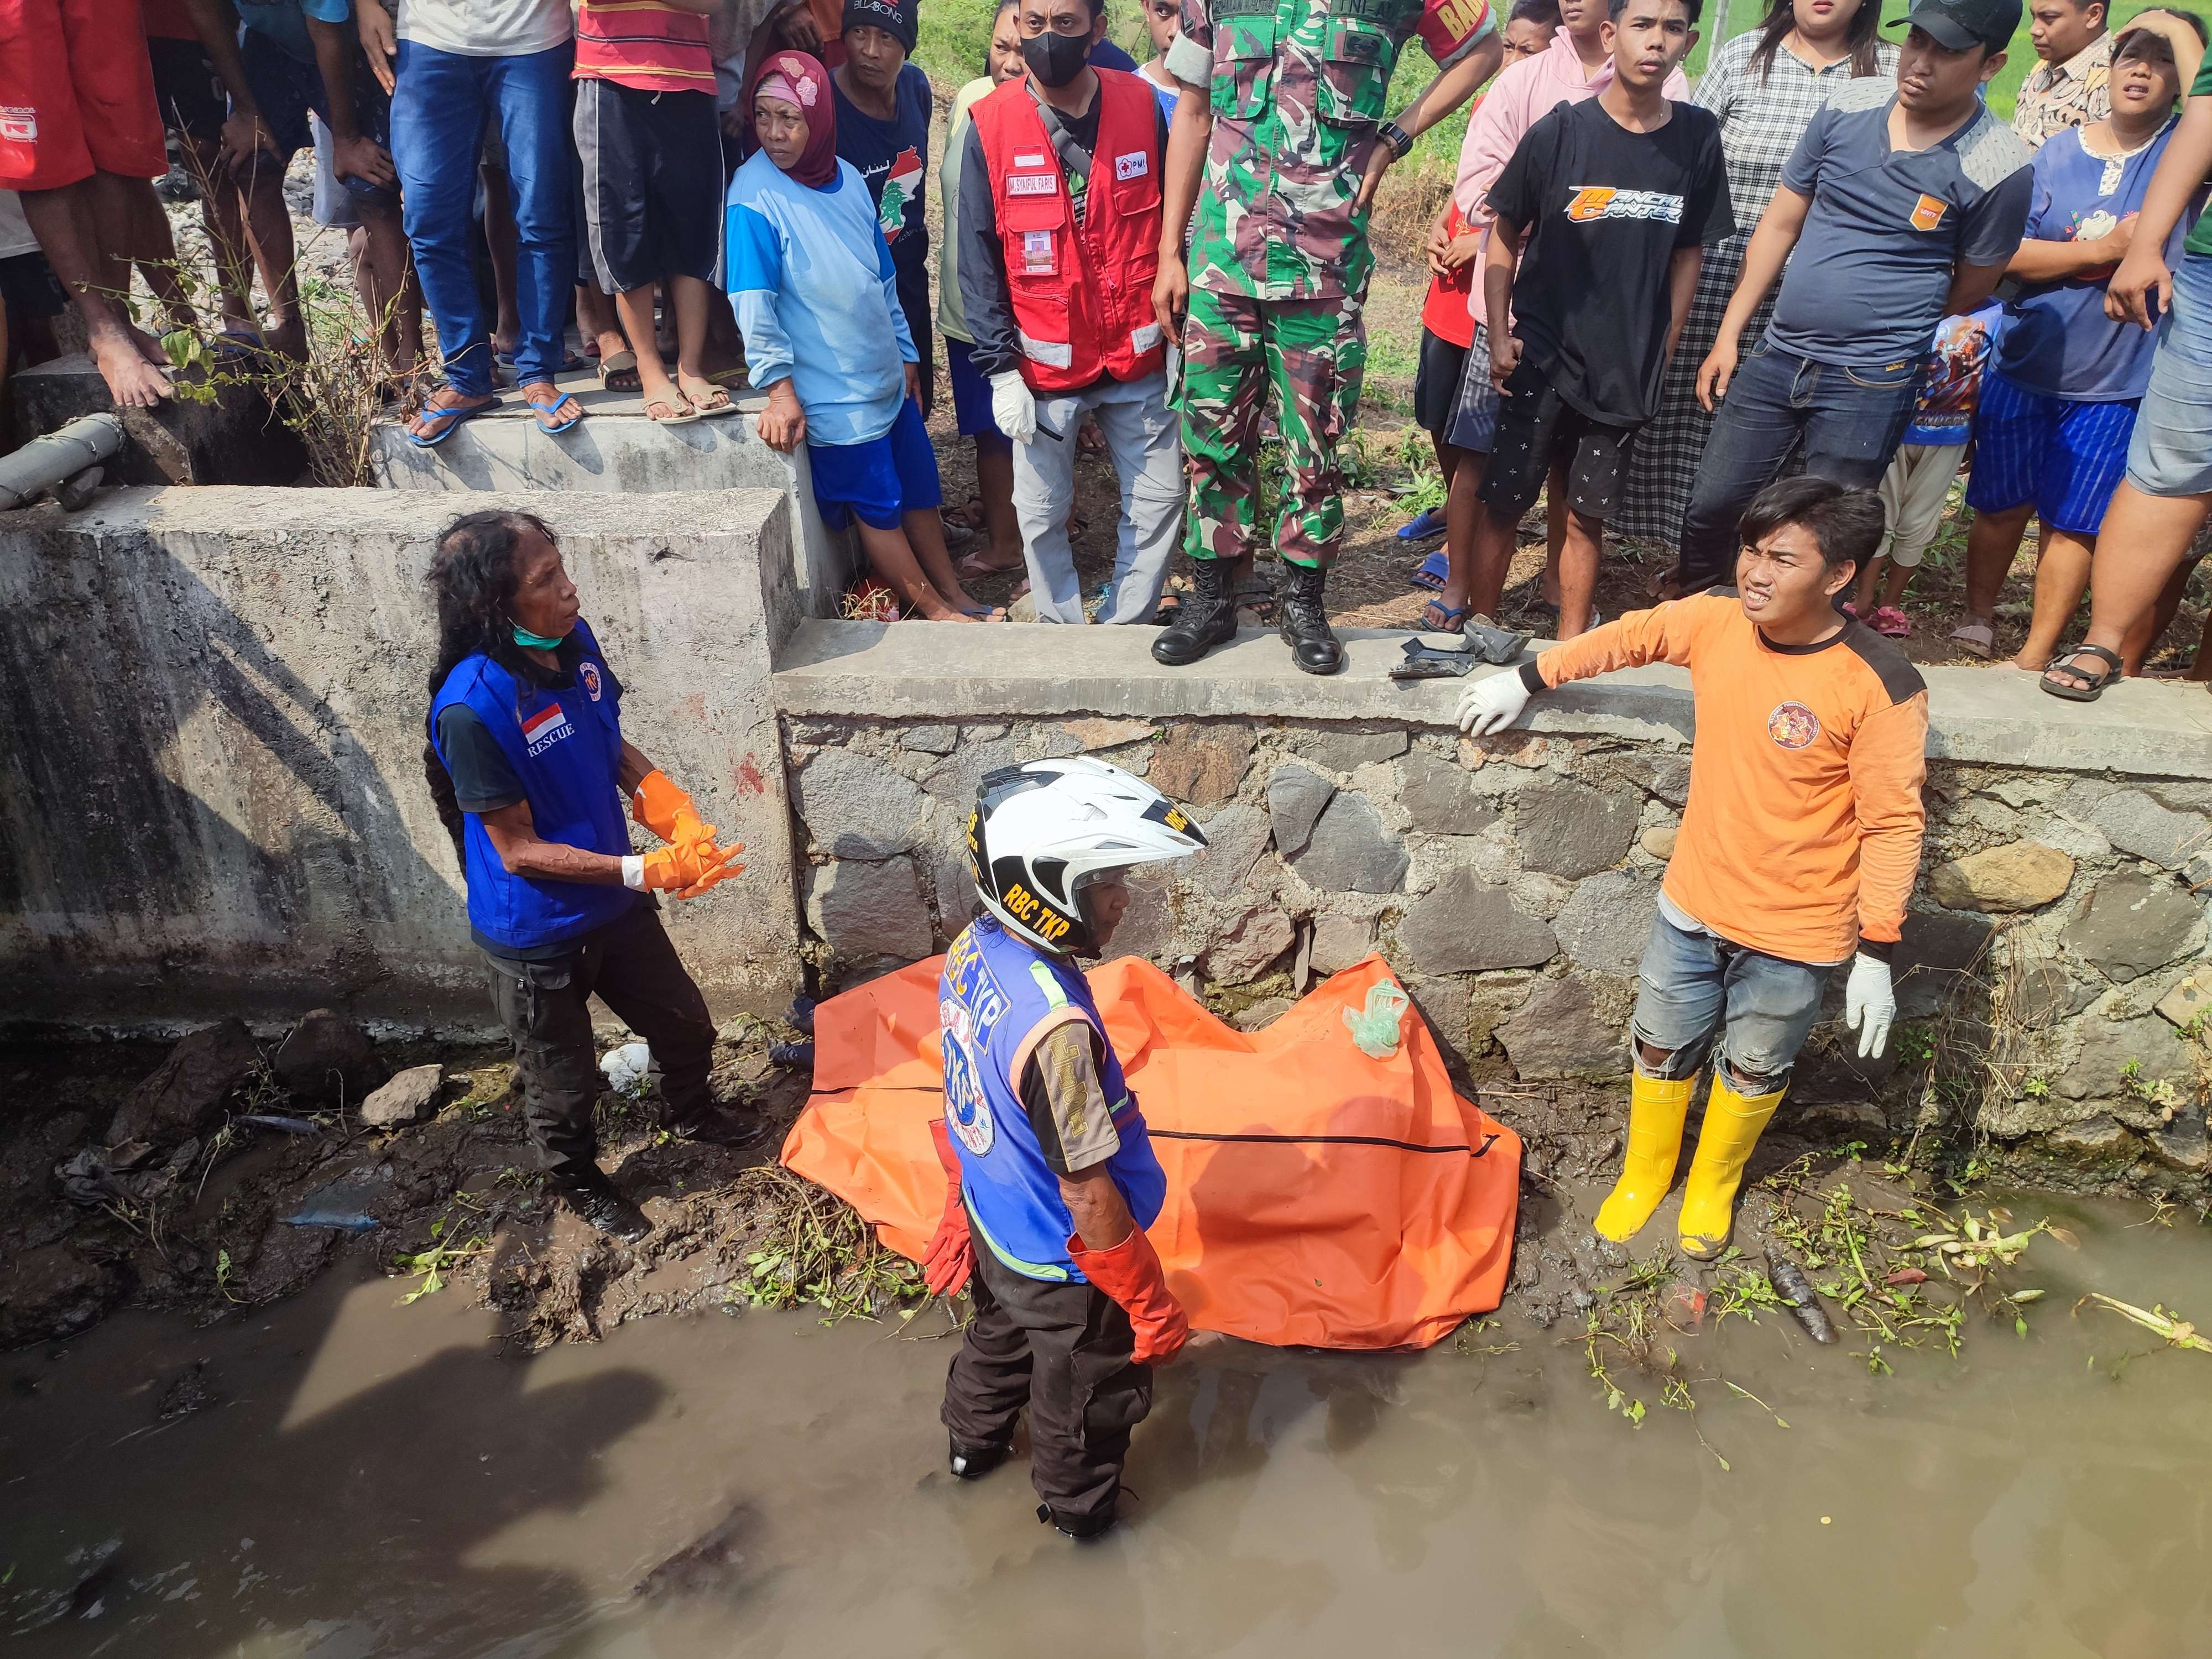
1044 830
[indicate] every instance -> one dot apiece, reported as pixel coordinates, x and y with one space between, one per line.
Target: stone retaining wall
1511 883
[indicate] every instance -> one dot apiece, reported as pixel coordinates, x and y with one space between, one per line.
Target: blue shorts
879 481
971 398
2066 456
286 89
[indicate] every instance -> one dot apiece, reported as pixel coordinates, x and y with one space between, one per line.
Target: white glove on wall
1492 704
1012 406
1870 1004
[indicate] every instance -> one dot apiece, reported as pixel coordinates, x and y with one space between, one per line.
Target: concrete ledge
1986 716
616 449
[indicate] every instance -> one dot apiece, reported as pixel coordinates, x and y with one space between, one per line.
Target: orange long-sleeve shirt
1803 832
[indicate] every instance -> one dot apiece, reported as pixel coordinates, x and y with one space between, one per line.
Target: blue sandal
545 412
446 420
1433 572
1453 619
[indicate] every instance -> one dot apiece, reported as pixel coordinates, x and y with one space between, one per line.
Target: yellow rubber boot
1656 1108
1733 1124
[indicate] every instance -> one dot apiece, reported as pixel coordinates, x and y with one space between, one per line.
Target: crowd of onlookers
1830 255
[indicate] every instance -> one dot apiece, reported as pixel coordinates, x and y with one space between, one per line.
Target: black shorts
1534 425
1436 383
651 170
29 289
188 89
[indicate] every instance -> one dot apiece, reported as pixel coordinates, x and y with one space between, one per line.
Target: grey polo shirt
1866 283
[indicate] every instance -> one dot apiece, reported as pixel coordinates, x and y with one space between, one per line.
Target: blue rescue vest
566 746
995 997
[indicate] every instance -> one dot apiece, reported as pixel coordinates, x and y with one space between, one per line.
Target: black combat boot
1304 624
600 1204
1073 1527
973 1462
1208 618
707 1128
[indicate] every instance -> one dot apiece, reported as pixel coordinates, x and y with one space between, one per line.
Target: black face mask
1056 59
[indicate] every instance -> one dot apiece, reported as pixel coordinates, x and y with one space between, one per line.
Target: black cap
1959 24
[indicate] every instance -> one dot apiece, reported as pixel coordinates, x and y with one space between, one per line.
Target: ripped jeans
1695 987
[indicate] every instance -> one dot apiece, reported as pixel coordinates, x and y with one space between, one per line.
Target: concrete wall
1511 882
616 449
211 797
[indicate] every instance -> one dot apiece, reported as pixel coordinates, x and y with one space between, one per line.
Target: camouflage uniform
1278 261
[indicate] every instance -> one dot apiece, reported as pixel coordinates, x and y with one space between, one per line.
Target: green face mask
530 641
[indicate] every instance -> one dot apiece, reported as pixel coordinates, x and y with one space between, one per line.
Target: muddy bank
132 1176
224 1175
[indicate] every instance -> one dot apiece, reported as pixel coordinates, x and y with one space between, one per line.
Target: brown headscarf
796 78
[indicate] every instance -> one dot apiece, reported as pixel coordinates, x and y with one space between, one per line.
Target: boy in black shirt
1607 204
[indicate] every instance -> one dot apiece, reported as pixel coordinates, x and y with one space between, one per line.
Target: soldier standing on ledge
1282 110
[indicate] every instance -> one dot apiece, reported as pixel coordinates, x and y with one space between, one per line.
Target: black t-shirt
1602 211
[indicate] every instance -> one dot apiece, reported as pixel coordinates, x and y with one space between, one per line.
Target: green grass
955 33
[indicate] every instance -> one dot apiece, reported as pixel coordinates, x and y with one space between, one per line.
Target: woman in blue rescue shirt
528 766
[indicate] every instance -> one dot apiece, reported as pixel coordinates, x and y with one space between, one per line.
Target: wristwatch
1397 137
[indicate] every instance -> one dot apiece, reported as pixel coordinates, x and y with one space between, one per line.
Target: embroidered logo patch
1928 213
1792 725
19 125
589 673
1135 165
1031 184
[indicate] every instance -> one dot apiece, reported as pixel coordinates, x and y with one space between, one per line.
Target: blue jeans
438 115
1849 419
1694 986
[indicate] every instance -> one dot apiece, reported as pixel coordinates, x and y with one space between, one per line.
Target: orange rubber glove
1130 1273
690 869
667 811
950 1256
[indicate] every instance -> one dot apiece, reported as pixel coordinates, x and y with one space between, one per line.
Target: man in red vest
1059 229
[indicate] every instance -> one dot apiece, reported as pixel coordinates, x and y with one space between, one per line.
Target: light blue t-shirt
816 297
285 21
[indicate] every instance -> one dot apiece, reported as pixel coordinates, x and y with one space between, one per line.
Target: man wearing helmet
1047 1159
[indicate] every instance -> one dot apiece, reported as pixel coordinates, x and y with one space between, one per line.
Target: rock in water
327 1060
408 1098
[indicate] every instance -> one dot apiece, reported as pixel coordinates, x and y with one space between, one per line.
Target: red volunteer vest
1082 298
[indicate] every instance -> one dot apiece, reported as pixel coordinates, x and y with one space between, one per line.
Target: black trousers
1063 1350
546 1008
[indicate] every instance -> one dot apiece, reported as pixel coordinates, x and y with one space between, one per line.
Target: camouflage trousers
1312 353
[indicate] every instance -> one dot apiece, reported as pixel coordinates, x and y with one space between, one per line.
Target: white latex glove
1012 406
1869 1005
1492 704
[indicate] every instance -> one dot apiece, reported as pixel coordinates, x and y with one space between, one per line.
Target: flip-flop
717 405
1891 623
1443 618
987 613
1425 524
544 413
2063 664
448 419
971 567
1434 572
689 415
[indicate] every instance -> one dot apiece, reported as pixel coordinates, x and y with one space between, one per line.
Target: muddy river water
339 1476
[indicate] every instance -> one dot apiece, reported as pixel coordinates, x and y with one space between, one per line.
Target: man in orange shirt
1797 850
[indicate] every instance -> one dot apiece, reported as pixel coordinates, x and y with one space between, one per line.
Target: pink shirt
1526 93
